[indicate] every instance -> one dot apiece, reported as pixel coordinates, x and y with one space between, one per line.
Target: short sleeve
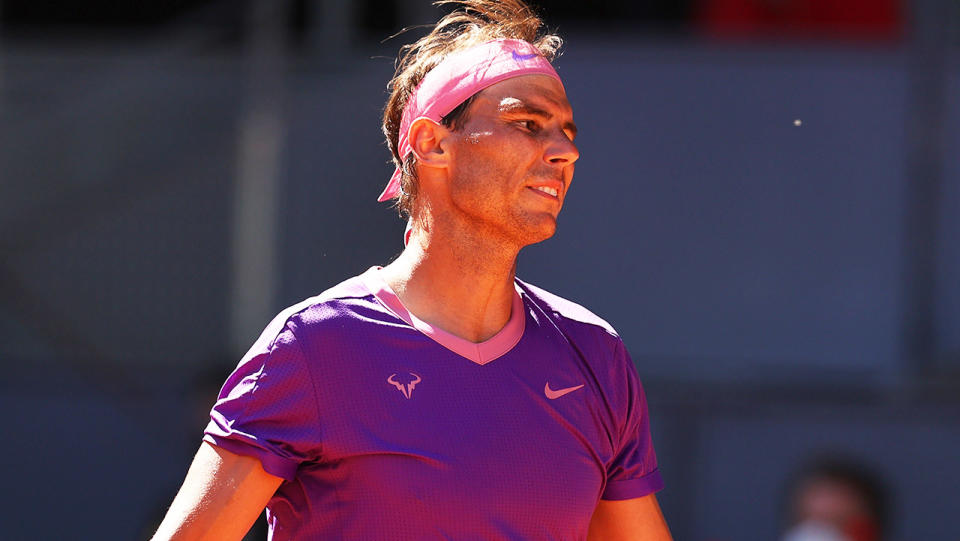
267 408
633 471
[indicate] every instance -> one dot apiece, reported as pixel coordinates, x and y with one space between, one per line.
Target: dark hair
475 22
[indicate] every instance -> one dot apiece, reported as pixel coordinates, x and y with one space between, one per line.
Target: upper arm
220 499
637 519
632 471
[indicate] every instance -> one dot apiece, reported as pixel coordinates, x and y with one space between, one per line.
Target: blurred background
767 207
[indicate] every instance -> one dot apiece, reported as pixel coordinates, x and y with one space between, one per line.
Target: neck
459 281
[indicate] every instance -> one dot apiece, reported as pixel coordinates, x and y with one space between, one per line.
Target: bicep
221 497
637 519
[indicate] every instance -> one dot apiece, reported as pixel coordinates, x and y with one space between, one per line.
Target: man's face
837 504
511 162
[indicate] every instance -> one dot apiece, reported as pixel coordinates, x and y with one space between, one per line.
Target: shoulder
592 338
565 312
331 310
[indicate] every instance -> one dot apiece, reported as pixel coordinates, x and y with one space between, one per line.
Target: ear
425 138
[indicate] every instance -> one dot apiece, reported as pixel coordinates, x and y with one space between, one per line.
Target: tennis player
440 397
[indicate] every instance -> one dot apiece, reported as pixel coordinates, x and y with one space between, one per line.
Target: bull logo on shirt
405 388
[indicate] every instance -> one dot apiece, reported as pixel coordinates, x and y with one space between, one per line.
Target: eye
530 125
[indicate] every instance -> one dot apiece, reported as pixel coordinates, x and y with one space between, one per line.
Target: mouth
546 190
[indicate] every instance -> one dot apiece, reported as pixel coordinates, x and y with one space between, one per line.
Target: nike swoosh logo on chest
553 395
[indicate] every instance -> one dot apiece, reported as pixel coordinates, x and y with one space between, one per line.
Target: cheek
480 163
491 161
477 137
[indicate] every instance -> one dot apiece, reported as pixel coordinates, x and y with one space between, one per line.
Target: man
439 397
836 498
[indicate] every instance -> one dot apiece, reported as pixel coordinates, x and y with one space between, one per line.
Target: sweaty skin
638 519
220 499
482 200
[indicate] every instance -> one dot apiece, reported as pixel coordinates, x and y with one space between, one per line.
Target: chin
539 232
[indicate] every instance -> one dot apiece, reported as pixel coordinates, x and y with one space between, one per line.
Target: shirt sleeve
633 471
267 408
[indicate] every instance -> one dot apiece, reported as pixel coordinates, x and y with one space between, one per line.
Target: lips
547 190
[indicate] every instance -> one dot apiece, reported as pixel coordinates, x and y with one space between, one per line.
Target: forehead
540 90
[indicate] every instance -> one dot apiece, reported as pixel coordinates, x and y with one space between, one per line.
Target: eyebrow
519 107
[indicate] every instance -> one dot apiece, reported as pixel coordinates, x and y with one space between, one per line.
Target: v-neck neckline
478 352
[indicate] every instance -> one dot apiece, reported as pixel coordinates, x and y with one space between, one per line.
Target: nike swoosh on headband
521 57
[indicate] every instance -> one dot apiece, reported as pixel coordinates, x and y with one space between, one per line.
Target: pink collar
480 353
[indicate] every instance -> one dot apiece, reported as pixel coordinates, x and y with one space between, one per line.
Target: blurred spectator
834 498
858 19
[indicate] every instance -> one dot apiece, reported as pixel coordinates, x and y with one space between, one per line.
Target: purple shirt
387 428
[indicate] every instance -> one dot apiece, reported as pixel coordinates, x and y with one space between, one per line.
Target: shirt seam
559 316
313 386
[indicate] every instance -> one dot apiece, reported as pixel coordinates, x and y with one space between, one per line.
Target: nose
561 151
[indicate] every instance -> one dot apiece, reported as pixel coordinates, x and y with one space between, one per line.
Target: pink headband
459 76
